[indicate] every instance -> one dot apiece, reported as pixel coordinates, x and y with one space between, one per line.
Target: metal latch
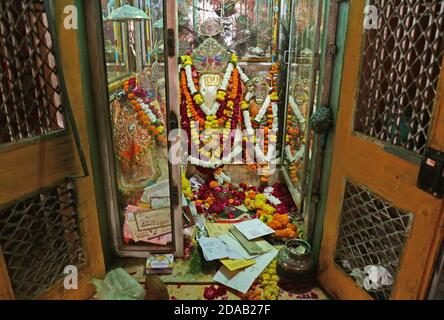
287 54
332 50
173 121
171 42
431 174
174 196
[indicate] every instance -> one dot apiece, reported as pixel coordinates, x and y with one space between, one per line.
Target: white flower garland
146 108
297 112
261 156
247 123
268 192
227 77
233 154
248 96
222 178
205 164
297 157
224 85
263 109
190 82
213 164
242 74
274 107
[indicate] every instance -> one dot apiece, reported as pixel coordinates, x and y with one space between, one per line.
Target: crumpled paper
377 277
118 285
372 277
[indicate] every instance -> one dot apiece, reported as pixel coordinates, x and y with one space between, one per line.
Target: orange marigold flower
214 184
274 224
282 218
260 213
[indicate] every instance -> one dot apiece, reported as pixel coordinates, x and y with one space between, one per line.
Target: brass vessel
294 266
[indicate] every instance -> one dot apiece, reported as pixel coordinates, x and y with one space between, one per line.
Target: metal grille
39 237
371 232
29 86
400 70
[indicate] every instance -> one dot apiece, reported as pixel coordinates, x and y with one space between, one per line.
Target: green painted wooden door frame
325 143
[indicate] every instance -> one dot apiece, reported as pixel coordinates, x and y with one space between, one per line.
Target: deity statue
209 84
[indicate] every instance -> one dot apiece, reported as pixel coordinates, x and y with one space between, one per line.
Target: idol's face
261 91
209 84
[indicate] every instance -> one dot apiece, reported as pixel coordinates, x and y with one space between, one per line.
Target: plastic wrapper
118 285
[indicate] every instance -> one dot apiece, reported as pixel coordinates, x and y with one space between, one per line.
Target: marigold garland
149 117
186 187
267 119
266 286
269 282
227 115
272 206
295 139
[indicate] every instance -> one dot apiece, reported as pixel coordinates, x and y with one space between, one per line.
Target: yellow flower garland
221 95
269 281
186 187
198 99
254 201
186 60
234 58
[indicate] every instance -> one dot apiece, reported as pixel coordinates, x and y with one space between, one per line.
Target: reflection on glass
153 30
116 53
242 26
300 92
138 117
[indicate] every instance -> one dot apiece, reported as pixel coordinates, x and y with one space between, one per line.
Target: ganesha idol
218 101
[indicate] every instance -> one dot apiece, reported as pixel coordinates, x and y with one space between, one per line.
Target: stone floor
182 286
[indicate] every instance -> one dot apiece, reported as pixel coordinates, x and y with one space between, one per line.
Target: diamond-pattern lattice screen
39 237
371 232
30 103
400 70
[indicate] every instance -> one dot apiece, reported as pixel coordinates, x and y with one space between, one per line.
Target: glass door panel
138 118
115 38
301 91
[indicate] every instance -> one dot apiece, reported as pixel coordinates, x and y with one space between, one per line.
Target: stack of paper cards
215 249
243 280
234 244
143 224
217 229
253 229
157 191
234 265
